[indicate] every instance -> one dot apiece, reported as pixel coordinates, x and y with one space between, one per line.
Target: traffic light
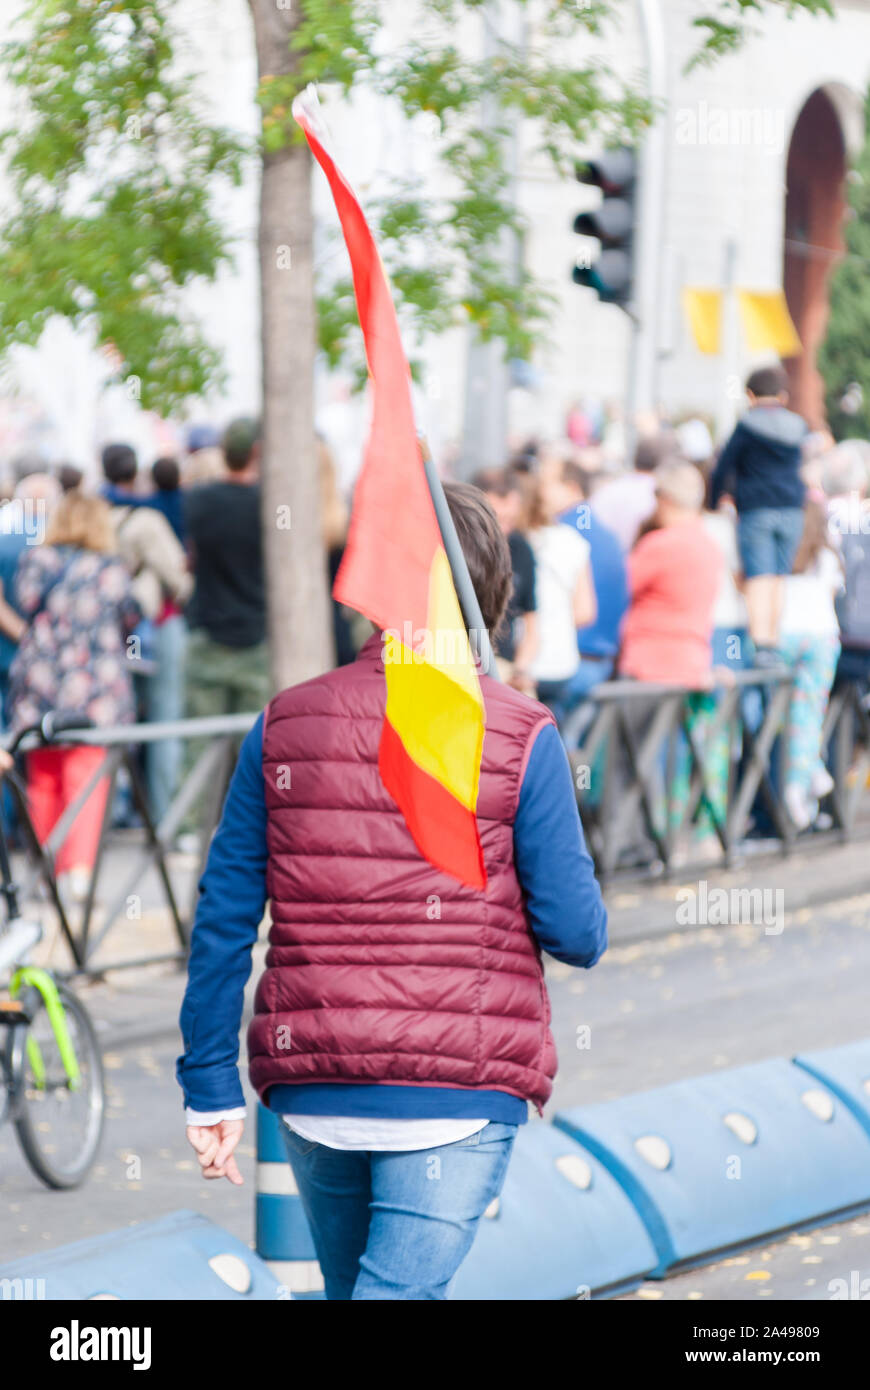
612 223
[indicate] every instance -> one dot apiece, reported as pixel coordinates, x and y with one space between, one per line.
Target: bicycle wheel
59 1123
5 1083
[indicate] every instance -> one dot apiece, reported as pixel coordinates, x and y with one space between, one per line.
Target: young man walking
402 1024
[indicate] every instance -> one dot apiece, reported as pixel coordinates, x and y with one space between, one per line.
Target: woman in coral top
674 574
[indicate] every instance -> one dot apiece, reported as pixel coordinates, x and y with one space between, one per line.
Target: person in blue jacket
760 468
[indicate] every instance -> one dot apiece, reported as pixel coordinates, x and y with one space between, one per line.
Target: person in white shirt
810 645
565 594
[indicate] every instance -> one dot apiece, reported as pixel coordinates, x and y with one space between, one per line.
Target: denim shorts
768 538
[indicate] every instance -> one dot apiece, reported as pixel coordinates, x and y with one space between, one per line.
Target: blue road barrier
283 1235
180 1256
724 1160
562 1228
845 1071
604 1197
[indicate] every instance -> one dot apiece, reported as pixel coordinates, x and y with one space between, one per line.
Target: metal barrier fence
626 767
202 789
637 738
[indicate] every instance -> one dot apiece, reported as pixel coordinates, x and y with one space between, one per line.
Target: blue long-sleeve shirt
170 504
609 579
563 901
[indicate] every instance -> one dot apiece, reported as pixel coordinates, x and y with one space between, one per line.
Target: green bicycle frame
43 982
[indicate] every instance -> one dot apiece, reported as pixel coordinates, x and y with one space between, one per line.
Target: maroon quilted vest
381 969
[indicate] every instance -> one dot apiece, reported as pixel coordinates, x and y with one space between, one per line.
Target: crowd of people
689 566
135 598
143 597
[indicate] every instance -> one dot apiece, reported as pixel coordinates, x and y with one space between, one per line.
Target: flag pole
477 633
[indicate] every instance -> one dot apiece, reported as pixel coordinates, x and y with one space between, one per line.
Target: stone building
756 151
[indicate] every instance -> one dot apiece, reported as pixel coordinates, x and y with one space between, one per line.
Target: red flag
395 571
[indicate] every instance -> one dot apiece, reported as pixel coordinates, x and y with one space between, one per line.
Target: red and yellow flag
395 570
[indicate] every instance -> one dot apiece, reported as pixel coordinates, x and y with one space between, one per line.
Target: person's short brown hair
166 474
68 476
574 476
767 381
653 449
496 482
485 549
239 440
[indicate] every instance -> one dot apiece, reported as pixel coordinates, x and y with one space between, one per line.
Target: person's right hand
215 1145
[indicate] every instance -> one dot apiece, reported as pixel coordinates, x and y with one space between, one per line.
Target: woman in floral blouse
74 592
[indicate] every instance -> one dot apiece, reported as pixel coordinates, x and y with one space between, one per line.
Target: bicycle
51 1071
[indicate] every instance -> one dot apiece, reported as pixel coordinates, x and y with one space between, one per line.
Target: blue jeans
397 1225
592 671
10 818
561 697
768 538
733 648
164 703
555 694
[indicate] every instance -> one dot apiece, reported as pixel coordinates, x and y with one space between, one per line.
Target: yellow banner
767 323
704 312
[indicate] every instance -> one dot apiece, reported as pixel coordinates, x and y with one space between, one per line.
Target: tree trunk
300 628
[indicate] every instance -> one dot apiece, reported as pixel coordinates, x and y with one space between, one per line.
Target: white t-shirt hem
352 1132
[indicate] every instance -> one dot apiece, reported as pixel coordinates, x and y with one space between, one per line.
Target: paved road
657 1010
695 1001
831 1261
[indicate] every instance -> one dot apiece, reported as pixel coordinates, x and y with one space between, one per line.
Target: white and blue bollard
283 1235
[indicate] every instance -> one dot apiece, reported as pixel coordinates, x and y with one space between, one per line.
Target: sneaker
821 783
766 658
797 807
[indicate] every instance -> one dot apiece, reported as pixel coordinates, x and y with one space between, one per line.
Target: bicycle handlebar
50 726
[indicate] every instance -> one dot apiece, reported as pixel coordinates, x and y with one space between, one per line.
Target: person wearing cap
228 658
202 437
204 462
